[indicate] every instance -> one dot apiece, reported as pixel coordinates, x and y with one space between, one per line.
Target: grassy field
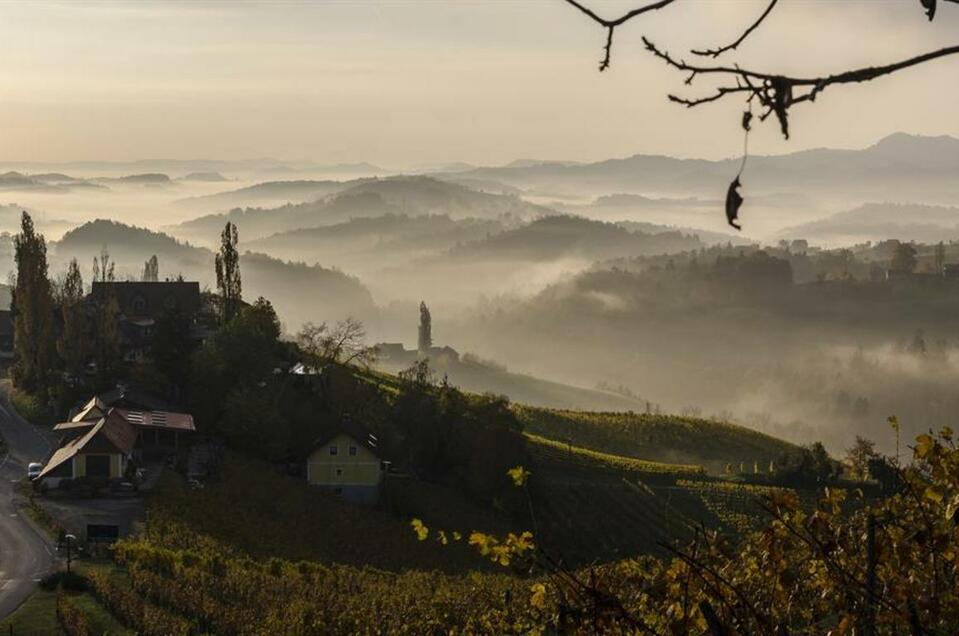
657 438
38 615
265 514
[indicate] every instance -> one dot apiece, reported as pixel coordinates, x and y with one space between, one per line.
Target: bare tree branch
611 25
746 34
777 93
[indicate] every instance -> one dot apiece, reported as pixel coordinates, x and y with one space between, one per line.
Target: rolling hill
561 236
299 292
366 198
880 221
379 240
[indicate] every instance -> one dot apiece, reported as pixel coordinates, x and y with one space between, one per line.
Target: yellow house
347 463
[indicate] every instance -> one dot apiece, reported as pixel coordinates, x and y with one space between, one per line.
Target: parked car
33 470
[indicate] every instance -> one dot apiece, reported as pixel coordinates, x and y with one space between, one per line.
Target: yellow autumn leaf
422 532
519 475
538 597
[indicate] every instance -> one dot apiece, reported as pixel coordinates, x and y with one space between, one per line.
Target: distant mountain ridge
900 163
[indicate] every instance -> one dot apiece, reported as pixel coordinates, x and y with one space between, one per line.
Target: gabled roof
73 426
92 410
112 428
360 434
139 299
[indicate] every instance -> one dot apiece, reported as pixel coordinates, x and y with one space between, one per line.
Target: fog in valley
609 285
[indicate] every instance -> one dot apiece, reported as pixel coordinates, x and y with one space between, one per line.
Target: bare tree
770 92
344 343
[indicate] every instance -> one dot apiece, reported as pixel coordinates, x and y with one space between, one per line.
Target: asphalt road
25 555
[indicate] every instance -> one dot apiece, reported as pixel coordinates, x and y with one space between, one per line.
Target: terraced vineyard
736 505
551 450
656 438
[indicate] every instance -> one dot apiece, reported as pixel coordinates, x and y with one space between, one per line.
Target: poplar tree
228 280
74 342
33 310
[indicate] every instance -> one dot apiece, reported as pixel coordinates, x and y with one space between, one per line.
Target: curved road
25 555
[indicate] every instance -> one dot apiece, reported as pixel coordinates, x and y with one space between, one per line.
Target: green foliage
34 345
74 342
425 331
30 407
258 512
228 280
106 338
70 581
72 620
449 435
172 348
812 466
237 363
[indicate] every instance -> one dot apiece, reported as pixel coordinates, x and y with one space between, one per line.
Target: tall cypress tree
425 330
228 280
33 310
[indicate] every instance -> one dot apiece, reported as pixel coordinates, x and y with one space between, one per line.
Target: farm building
96 448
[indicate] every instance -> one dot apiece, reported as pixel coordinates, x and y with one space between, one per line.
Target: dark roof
151 299
350 428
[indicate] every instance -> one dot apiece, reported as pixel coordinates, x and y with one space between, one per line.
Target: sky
407 83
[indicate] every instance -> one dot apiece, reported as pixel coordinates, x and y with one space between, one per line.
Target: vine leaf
930 6
733 202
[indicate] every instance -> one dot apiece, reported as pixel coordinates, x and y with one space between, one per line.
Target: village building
157 426
110 431
144 303
347 462
100 446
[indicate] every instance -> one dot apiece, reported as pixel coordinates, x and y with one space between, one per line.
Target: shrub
71 618
69 581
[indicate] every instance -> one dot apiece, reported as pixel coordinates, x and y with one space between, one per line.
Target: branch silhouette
611 25
729 47
777 93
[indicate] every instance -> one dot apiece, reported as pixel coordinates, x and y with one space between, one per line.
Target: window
334 450
339 472
139 305
352 451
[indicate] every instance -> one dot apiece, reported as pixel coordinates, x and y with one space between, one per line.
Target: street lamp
70 539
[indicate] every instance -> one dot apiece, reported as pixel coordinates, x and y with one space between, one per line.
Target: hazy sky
402 82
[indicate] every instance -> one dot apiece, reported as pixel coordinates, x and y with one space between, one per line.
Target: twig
611 25
729 47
